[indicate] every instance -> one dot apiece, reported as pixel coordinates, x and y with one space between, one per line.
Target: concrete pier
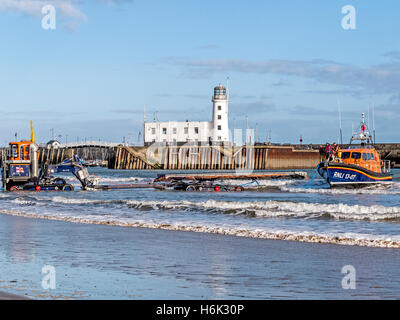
260 157
214 158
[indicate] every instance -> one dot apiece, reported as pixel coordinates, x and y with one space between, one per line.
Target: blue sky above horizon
289 63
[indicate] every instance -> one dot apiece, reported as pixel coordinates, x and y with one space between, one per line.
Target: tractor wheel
190 188
67 187
14 188
239 189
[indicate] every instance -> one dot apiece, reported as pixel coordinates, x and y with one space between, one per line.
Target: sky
290 63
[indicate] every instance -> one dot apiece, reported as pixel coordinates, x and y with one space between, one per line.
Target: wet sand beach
9 296
111 262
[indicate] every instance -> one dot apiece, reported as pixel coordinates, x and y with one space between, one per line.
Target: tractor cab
19 151
20 164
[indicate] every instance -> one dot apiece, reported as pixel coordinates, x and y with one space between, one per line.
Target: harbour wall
213 158
259 157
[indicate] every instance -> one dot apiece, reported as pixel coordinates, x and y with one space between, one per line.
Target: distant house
53 144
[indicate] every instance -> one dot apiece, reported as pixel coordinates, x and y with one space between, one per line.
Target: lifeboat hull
341 174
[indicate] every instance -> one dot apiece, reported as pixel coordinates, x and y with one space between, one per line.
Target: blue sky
289 63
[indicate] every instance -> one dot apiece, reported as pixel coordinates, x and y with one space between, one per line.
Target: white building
174 132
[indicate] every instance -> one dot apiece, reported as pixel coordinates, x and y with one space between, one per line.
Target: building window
196 130
219 117
219 108
164 130
186 130
219 138
174 130
153 130
219 127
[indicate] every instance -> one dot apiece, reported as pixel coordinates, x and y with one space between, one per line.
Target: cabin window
22 153
372 156
345 155
14 151
356 155
365 156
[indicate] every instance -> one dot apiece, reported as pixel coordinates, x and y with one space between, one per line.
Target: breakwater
213 158
260 157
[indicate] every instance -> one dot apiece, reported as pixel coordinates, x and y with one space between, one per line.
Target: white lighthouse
220 115
178 133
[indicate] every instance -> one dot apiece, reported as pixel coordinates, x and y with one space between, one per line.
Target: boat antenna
368 116
340 123
373 121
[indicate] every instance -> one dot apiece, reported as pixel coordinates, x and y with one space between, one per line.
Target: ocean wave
262 209
323 188
379 241
277 209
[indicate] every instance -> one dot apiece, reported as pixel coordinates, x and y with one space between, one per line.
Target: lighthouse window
219 117
219 107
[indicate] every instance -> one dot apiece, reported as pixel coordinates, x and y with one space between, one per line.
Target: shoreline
306 238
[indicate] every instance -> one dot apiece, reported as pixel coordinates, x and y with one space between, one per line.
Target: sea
278 209
287 239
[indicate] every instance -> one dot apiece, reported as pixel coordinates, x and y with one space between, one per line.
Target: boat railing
386 166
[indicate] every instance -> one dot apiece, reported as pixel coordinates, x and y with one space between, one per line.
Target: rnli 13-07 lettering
346 176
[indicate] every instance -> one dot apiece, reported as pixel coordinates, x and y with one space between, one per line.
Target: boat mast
340 124
373 121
